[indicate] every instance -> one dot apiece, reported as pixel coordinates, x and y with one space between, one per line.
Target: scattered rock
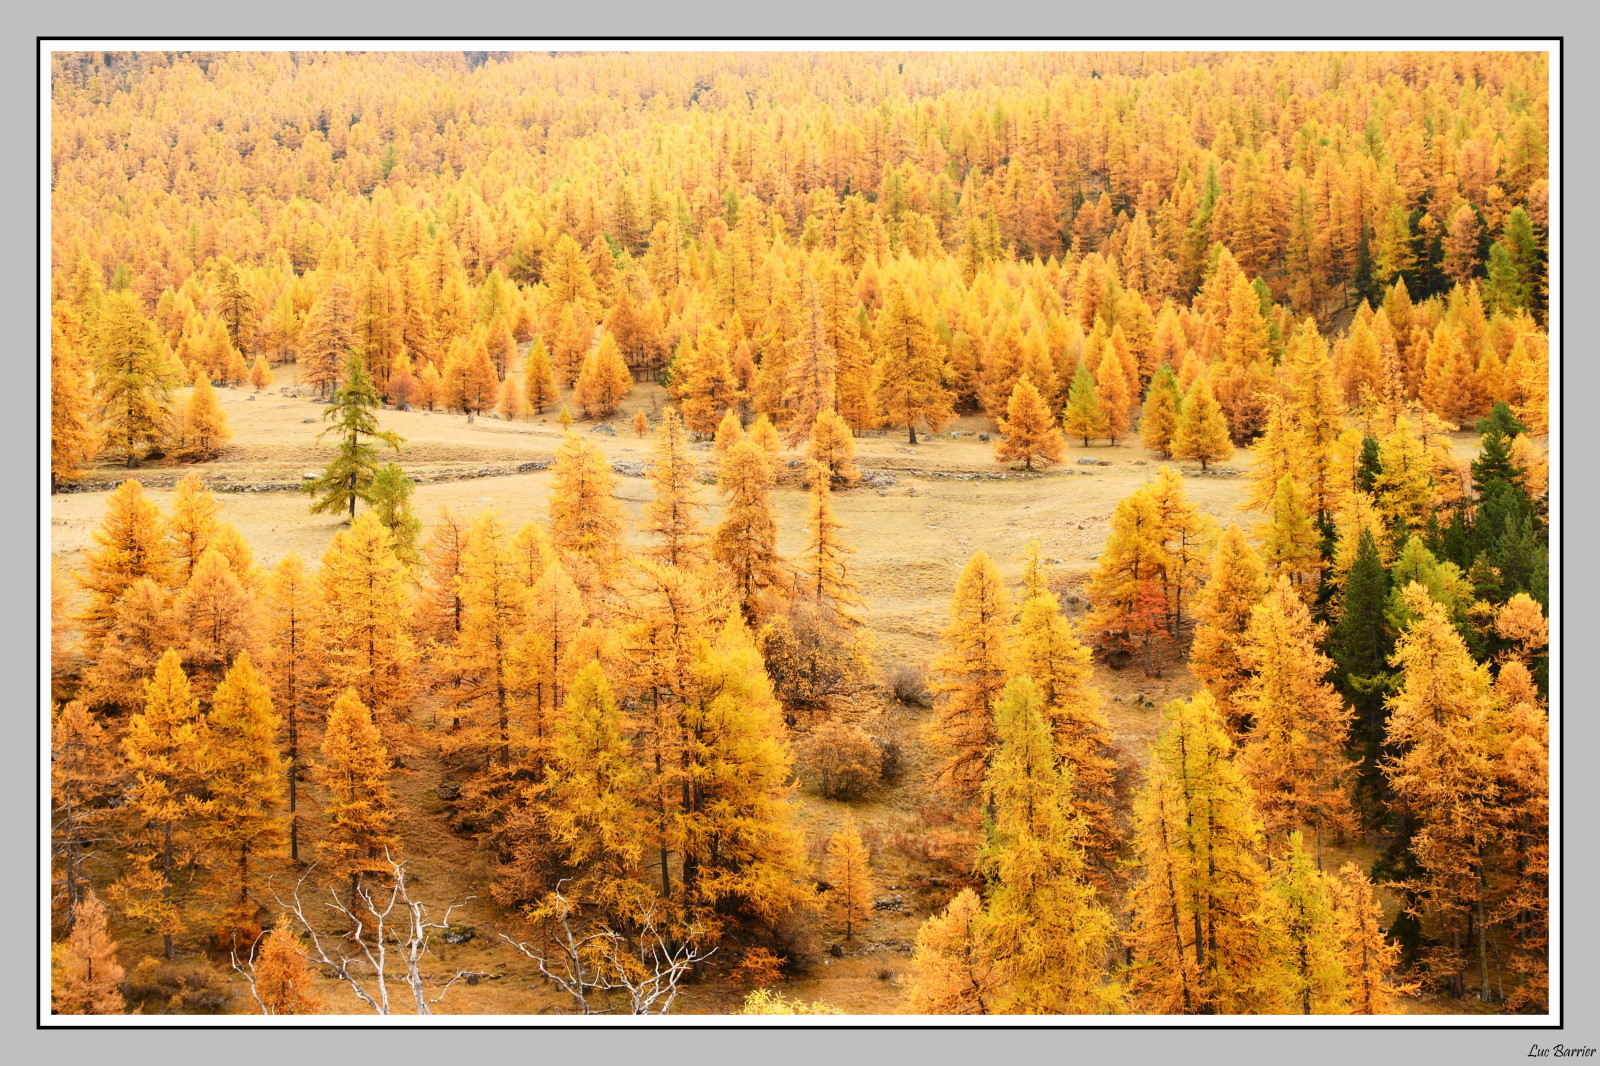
1140 462
629 467
308 477
249 399
458 934
889 903
449 792
308 421
604 428
1116 699
836 951
911 490
1102 462
983 437
1088 461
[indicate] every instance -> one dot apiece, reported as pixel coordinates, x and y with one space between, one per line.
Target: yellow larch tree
585 517
131 378
556 620
849 874
1111 386
673 514
143 626
1052 936
604 381
909 374
1305 959
85 771
85 976
1294 754
284 984
813 368
1442 725
162 748
260 373
1198 893
205 427
824 577
1131 566
488 658
129 544
243 819
1085 416
954 967
1187 539
220 617
363 602
359 808
290 662
1222 616
1202 430
589 808
832 445
72 436
972 672
193 526
1029 433
1158 423
1370 957
745 543
741 850
1290 542
1045 648
538 378
704 382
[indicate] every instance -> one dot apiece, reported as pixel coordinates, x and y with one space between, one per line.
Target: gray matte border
970 1045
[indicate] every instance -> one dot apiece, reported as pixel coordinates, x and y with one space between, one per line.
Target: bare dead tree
648 970
382 923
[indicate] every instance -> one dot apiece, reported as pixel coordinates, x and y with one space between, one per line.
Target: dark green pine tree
1494 461
1371 465
1365 282
391 502
1360 645
350 475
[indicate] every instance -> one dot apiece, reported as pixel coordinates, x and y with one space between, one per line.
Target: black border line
999 1022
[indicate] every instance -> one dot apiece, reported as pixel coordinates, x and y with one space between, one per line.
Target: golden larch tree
1111 386
1222 615
832 445
284 984
1294 755
363 602
359 808
1158 423
72 436
1370 958
604 381
1202 430
1052 936
1442 725
205 427
1085 416
954 967
745 543
193 526
85 976
1196 937
1029 432
290 663
243 818
909 375
129 544
673 514
162 747
1305 966
972 672
538 378
849 874
1045 648
585 517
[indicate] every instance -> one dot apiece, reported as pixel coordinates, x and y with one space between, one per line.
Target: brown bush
909 684
157 986
839 761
